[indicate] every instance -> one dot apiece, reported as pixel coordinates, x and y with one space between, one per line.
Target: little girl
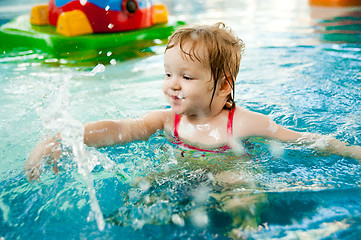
201 64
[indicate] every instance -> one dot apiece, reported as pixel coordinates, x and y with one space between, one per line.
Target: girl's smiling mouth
175 95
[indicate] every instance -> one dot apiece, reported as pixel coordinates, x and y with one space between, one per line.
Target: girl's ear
226 86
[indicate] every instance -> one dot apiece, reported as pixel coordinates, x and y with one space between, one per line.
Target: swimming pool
301 67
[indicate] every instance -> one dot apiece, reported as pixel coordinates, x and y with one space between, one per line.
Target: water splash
98 68
5 211
56 119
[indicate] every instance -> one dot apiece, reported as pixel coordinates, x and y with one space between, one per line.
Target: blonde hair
222 51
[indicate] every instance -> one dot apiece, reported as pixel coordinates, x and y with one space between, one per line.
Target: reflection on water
338 24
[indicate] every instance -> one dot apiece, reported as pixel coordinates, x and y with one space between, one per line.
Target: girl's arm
332 145
255 124
110 132
317 141
98 134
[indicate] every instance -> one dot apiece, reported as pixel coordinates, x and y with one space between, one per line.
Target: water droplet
113 62
237 146
201 194
199 218
98 69
144 185
176 219
276 149
180 95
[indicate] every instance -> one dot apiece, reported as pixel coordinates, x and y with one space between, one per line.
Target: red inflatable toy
79 17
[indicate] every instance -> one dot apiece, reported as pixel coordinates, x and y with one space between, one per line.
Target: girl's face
187 85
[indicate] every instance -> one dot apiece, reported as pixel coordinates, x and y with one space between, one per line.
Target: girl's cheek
165 88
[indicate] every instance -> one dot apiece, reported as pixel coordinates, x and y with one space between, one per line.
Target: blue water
301 67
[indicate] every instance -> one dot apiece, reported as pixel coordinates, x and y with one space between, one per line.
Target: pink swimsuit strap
217 150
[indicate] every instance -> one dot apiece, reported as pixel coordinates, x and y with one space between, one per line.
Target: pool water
301 67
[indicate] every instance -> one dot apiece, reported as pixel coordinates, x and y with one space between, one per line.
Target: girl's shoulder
165 117
245 115
248 123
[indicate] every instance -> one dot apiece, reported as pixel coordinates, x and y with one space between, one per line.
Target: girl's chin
177 110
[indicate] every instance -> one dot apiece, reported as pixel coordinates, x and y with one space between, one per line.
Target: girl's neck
204 117
208 115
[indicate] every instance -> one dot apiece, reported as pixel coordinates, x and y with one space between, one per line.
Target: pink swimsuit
216 150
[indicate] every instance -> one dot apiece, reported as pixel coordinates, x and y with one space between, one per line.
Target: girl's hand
32 165
331 145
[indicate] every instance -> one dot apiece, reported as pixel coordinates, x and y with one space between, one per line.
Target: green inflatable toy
20 35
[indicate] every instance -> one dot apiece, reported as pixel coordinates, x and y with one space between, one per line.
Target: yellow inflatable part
39 15
160 14
73 23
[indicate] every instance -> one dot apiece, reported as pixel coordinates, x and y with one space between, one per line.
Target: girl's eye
167 75
187 78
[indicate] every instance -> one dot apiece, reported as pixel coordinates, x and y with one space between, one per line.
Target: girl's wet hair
216 47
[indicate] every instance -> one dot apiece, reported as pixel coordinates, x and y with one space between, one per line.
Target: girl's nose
175 84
